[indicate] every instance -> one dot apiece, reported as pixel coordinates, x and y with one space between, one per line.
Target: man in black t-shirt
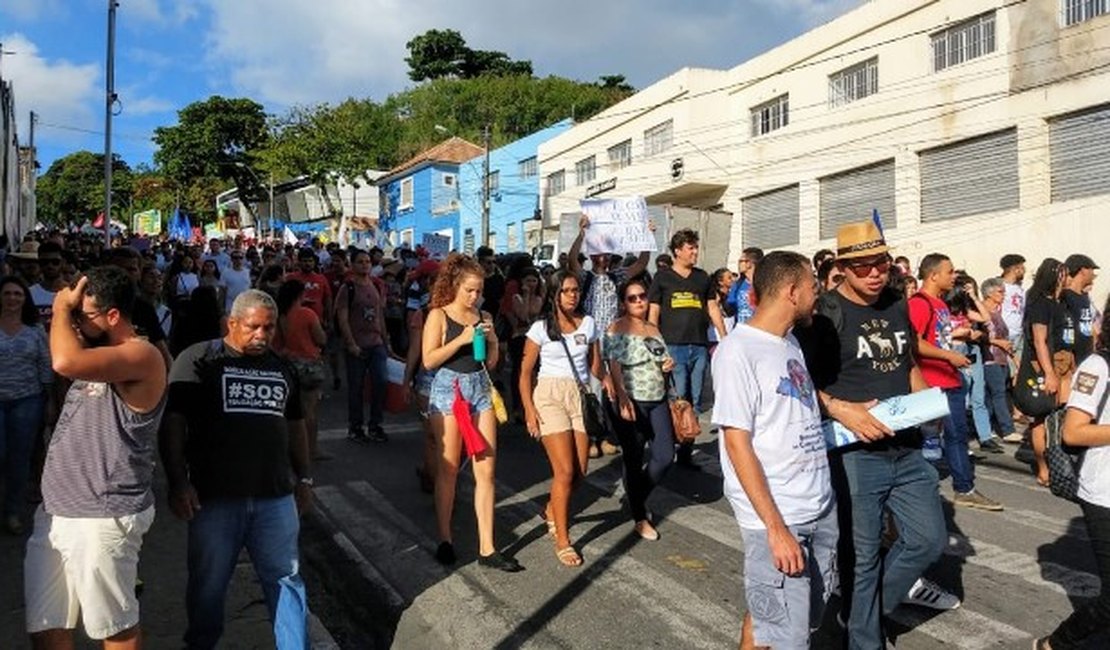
1077 301
682 302
860 349
235 452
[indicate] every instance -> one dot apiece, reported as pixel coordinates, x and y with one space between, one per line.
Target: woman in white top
564 345
1087 424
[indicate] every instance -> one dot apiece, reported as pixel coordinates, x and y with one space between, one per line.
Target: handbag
1065 461
1029 394
592 415
683 417
499 410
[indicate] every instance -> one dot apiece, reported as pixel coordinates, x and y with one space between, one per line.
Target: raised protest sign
617 226
436 245
147 223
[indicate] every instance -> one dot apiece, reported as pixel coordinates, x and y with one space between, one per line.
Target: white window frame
620 155
408 235
585 170
494 180
554 187
402 204
659 138
854 83
770 116
965 41
1073 12
529 168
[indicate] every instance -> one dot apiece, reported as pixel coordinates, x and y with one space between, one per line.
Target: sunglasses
635 297
863 268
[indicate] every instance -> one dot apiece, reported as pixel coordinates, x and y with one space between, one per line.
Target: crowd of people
214 356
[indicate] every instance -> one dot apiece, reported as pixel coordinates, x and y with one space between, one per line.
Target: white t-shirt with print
234 283
763 388
1013 309
1087 388
553 358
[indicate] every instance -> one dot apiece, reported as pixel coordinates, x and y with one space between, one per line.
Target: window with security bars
556 182
585 170
965 41
620 156
1074 12
855 82
658 138
529 168
771 116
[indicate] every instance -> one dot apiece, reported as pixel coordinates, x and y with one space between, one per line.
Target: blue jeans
874 585
371 361
955 440
997 377
20 422
268 529
977 386
689 371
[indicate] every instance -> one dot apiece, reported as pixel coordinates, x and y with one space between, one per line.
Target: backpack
1065 461
930 324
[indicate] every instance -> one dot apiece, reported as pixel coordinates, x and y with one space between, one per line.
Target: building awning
694 195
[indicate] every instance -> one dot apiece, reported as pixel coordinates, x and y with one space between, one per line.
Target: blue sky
284 53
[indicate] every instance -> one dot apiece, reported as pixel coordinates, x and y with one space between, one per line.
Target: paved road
1019 571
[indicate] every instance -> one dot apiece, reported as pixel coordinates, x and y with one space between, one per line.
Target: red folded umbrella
472 440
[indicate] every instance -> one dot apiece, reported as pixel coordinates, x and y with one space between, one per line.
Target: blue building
421 195
514 192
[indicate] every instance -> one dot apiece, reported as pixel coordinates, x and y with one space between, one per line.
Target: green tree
440 54
72 189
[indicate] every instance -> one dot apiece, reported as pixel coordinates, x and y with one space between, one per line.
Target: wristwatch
306 480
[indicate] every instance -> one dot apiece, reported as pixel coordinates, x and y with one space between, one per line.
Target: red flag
99 221
472 440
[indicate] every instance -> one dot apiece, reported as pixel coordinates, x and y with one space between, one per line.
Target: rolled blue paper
899 412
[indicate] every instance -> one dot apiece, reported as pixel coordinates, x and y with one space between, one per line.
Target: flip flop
569 557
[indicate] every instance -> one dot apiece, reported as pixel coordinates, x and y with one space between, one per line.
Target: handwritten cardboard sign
617 226
436 245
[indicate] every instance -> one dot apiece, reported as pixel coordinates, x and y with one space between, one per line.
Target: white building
975 128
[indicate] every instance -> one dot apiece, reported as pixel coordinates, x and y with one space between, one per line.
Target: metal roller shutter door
970 177
1079 146
771 219
852 195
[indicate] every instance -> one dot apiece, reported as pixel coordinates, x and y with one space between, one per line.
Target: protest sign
617 226
147 223
436 245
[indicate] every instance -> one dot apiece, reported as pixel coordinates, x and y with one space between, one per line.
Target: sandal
550 523
568 556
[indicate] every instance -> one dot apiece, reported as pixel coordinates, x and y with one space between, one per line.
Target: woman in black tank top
447 349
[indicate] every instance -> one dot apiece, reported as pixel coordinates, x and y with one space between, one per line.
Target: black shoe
445 554
992 447
357 435
497 561
335 384
685 460
377 434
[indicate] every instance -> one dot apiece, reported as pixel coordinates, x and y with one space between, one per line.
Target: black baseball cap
1078 262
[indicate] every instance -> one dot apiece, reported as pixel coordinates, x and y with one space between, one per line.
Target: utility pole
485 187
271 204
109 101
31 138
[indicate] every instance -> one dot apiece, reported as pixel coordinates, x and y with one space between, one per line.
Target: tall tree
435 54
72 189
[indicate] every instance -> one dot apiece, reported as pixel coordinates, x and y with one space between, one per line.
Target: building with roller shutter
974 127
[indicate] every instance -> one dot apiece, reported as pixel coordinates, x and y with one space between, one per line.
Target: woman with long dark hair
526 304
1087 424
300 338
25 379
638 362
564 345
1044 324
448 350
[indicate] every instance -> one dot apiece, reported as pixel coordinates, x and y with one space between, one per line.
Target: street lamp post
109 101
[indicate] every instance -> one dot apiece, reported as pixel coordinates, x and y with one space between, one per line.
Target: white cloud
61 92
156 12
326 50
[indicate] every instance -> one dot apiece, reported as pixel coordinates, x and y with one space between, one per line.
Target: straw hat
859 239
28 250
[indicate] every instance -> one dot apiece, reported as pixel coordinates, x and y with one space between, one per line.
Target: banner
148 223
617 226
436 245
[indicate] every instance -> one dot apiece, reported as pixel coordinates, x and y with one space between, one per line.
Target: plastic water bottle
479 343
930 442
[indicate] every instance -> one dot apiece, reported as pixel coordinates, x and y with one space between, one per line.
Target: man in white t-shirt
773 459
235 279
1013 302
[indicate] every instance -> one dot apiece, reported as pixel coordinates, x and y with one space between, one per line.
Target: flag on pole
288 237
878 221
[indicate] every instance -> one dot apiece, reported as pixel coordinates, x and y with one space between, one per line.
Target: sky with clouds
284 53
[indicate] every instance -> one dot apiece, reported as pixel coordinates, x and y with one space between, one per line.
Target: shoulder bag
1065 461
592 414
683 416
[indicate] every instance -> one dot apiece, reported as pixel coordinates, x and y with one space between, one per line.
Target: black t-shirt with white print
238 409
859 353
683 317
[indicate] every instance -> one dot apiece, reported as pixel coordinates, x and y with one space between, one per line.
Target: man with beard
1076 299
144 315
773 459
236 457
51 282
97 501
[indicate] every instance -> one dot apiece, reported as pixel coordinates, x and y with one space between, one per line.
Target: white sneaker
927 593
1013 438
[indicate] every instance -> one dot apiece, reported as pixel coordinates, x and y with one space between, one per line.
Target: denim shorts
474 386
424 382
785 610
